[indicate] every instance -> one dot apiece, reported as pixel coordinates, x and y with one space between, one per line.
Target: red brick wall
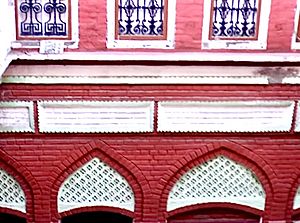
151 162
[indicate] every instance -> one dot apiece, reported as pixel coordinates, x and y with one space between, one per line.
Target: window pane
234 19
141 18
47 19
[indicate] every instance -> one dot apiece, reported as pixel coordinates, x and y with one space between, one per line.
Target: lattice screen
217 180
11 194
297 200
95 184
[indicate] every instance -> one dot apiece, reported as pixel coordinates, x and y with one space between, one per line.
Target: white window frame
112 42
296 45
68 43
259 44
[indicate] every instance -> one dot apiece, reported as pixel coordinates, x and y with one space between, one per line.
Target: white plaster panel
297 128
231 116
88 116
16 117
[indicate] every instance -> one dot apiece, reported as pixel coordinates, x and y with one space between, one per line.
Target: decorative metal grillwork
235 19
43 18
11 194
217 180
95 184
141 17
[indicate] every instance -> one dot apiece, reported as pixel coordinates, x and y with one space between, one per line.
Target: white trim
160 56
297 129
72 44
259 44
112 42
296 45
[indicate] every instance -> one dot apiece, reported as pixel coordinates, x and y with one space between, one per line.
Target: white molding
133 74
28 115
259 44
96 116
225 116
294 44
72 44
159 56
169 43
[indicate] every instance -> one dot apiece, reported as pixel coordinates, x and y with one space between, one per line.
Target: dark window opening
97 217
8 218
215 215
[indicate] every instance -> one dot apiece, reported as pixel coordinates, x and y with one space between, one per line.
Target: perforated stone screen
217 180
11 194
95 184
297 200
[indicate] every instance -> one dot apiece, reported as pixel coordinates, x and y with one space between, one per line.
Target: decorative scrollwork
55 26
31 24
234 18
141 17
43 17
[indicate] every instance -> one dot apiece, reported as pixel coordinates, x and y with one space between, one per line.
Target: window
141 23
38 20
296 34
235 24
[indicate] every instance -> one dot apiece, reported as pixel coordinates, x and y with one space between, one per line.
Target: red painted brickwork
150 162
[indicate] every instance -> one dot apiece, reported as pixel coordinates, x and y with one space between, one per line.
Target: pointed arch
27 184
218 180
105 154
233 151
95 184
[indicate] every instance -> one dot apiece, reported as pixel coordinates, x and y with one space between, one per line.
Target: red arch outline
229 149
107 154
27 182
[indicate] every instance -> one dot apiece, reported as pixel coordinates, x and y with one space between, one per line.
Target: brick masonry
150 162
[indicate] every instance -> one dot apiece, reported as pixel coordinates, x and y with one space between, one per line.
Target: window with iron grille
296 34
43 19
145 19
236 24
141 23
234 19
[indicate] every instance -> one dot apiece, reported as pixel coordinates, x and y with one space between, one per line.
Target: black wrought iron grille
235 18
141 17
43 18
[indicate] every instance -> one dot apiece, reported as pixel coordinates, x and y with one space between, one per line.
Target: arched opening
215 215
9 218
97 217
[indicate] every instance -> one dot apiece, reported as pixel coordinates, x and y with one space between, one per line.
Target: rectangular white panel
100 116
232 116
297 125
16 117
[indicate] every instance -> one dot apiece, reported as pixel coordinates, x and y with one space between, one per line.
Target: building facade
149 111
